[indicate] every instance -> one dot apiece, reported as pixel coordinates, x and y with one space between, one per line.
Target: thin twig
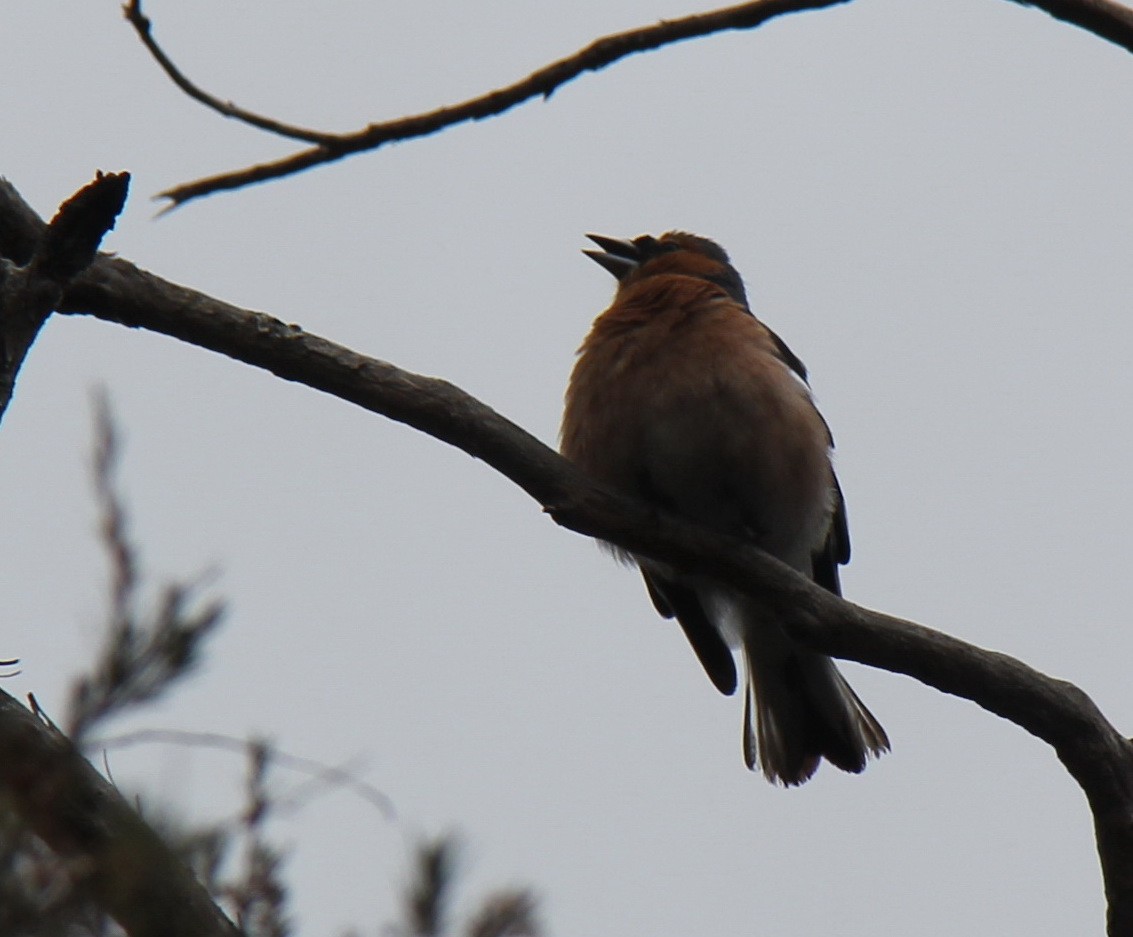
144 28
317 771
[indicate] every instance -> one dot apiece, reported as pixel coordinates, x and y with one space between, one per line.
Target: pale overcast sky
930 201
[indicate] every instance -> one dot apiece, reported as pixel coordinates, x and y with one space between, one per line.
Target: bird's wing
835 550
793 361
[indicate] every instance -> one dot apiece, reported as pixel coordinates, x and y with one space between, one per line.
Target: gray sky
930 201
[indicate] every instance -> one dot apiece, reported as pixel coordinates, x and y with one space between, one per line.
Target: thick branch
117 858
1105 18
1097 756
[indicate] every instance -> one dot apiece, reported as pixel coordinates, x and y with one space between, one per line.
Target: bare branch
70 241
32 278
1105 18
320 776
542 83
144 28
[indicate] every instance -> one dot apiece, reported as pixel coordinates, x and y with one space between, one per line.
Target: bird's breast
699 413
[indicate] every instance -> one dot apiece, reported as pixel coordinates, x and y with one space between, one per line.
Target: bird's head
675 253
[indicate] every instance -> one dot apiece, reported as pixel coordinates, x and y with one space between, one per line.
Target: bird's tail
800 709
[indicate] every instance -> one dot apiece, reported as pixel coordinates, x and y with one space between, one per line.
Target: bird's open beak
617 256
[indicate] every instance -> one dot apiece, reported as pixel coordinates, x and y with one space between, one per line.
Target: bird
680 396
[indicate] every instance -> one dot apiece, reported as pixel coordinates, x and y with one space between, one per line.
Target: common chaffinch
682 397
